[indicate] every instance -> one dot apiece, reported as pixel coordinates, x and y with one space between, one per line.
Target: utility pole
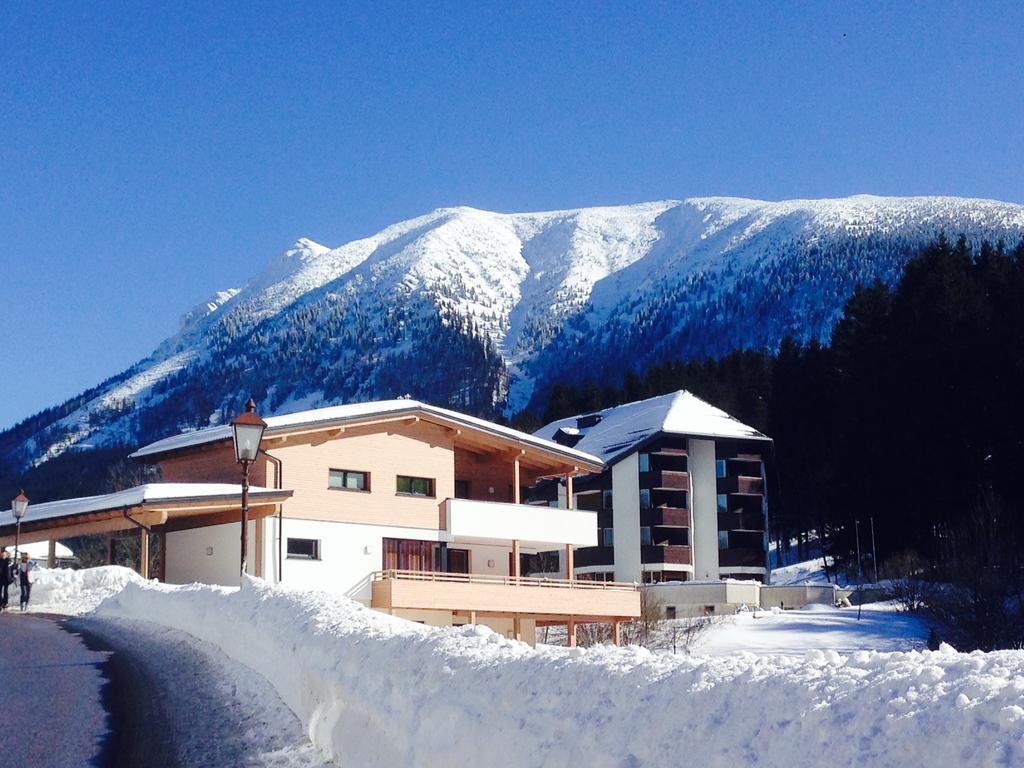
874 557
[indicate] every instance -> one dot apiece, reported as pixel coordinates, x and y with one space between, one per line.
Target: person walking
25 568
6 577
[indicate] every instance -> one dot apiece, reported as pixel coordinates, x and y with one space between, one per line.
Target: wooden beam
517 627
144 553
570 633
515 558
472 617
515 481
570 566
162 555
617 632
51 554
569 502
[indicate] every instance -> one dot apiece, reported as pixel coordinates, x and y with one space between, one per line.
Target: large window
723 502
606 499
416 486
645 535
411 555
303 549
720 468
348 480
723 539
462 489
609 537
645 498
645 462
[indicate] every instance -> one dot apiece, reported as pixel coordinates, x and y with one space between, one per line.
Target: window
720 468
606 499
303 549
348 480
609 537
416 486
670 611
645 498
723 502
645 462
723 539
645 535
462 489
410 555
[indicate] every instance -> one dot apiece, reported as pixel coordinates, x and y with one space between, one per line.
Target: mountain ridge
483 311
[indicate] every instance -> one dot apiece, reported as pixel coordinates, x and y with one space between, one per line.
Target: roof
152 493
621 428
339 414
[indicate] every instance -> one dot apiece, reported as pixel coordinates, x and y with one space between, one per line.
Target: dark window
720 469
416 486
645 498
458 561
462 489
645 462
723 539
670 611
723 502
304 549
609 537
348 480
606 499
645 535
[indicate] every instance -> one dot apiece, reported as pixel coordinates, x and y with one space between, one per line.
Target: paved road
52 686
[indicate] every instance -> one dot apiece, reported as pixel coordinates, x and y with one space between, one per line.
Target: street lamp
19 506
247 432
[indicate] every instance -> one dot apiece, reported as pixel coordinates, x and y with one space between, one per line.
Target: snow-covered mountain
482 311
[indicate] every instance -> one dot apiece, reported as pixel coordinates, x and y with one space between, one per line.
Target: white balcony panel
486 521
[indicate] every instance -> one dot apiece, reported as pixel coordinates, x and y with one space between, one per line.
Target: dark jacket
6 571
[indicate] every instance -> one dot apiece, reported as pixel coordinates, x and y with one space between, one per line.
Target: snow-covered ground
374 690
815 628
74 592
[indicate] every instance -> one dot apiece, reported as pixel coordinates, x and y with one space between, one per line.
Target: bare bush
908 586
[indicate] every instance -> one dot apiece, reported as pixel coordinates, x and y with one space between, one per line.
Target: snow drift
71 592
378 691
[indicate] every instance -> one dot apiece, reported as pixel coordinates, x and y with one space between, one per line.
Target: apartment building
682 496
408 508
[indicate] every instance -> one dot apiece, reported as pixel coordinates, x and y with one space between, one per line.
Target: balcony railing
504 595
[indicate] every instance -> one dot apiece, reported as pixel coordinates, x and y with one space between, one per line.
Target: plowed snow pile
379 691
62 590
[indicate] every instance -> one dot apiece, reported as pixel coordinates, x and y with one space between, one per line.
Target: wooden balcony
740 521
665 479
672 554
668 517
741 484
542 598
746 557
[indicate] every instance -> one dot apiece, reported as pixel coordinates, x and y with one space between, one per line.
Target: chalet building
405 507
682 496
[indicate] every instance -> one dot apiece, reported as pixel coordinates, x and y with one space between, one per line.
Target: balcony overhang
486 522
543 599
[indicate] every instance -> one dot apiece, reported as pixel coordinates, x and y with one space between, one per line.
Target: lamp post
247 432
19 506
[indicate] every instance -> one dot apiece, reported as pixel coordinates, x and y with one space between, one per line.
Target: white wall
482 520
626 518
209 555
703 508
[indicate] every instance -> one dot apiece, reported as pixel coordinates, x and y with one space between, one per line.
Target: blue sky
152 154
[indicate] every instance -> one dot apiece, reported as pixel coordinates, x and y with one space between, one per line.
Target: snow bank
62 590
379 691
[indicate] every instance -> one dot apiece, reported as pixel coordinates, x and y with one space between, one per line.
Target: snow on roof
131 497
622 427
351 411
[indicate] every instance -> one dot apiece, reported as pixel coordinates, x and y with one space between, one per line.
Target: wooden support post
110 550
144 553
570 565
517 627
617 632
569 501
51 554
515 559
472 617
570 633
515 481
162 555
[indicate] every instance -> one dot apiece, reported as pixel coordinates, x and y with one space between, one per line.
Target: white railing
508 581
